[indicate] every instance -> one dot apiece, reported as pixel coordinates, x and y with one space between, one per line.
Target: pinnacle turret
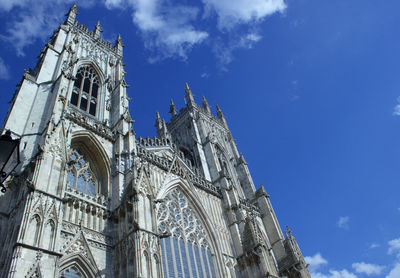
71 15
172 108
205 105
221 115
219 112
161 126
97 29
119 44
189 96
158 120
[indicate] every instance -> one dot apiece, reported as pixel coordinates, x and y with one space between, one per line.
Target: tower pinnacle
71 15
189 96
119 44
172 108
97 29
221 116
205 105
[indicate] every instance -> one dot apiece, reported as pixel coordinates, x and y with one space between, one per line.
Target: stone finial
158 120
242 160
219 112
71 15
289 231
205 105
172 108
221 116
119 44
189 96
97 29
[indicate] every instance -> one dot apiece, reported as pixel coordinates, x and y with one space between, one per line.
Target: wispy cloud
224 47
394 246
232 13
344 273
394 272
343 222
171 30
368 269
396 110
315 262
4 72
374 245
168 29
33 20
204 75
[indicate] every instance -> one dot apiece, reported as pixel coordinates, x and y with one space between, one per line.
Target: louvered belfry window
86 90
186 252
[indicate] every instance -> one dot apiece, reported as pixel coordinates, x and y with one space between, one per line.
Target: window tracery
186 252
80 174
86 90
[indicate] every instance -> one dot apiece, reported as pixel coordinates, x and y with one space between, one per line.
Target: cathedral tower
91 200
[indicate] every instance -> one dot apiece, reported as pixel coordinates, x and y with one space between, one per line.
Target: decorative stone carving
176 217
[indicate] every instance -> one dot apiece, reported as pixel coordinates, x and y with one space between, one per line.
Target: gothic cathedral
89 199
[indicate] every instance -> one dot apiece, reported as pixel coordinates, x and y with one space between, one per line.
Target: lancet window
186 251
80 174
86 90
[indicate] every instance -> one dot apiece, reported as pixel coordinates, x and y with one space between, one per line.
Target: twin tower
90 200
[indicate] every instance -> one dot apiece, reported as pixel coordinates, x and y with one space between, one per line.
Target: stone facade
91 200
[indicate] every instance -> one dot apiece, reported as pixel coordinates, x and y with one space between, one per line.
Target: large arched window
186 252
86 90
81 174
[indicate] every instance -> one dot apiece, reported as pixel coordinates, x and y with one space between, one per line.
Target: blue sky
310 89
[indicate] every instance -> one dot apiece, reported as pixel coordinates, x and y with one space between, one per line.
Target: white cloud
315 262
224 48
33 20
374 245
396 110
4 73
167 29
344 273
395 272
343 222
110 4
7 5
233 12
394 246
368 269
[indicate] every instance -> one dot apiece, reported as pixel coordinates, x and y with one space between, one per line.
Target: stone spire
98 30
119 44
189 96
172 108
221 116
158 120
71 15
205 105
161 126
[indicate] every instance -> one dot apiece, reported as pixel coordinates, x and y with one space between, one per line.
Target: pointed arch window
81 175
86 90
186 252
